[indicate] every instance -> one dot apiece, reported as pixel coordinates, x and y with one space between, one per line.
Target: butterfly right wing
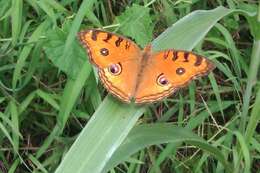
168 71
117 59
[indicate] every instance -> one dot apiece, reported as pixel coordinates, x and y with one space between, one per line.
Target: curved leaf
103 134
151 134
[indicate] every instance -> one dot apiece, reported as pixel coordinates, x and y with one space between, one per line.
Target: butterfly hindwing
122 84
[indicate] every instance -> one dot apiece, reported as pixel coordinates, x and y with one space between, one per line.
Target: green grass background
55 116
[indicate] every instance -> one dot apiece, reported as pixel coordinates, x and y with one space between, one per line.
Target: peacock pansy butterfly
144 76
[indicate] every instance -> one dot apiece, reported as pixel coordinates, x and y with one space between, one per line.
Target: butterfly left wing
166 71
117 59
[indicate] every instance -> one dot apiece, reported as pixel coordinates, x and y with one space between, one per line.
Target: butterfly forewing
105 48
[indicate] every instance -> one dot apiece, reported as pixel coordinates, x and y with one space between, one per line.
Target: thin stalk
251 81
252 78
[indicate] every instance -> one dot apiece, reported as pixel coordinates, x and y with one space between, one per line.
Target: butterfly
141 76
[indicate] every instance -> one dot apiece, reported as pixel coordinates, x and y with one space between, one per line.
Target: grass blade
253 69
15 122
85 6
71 93
254 119
17 8
26 51
245 152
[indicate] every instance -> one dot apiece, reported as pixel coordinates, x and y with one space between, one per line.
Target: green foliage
115 120
55 116
136 22
54 49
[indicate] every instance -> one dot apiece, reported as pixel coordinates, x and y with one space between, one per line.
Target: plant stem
252 77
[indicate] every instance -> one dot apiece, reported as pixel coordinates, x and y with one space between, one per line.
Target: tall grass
55 116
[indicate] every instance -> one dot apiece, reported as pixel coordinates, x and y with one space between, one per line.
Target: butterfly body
140 75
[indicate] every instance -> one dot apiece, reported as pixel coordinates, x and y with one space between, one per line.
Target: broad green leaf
151 134
106 130
136 22
54 49
188 31
120 156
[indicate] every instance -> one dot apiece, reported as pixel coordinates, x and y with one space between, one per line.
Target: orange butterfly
140 75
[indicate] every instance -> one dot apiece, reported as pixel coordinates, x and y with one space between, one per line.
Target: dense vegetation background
49 92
